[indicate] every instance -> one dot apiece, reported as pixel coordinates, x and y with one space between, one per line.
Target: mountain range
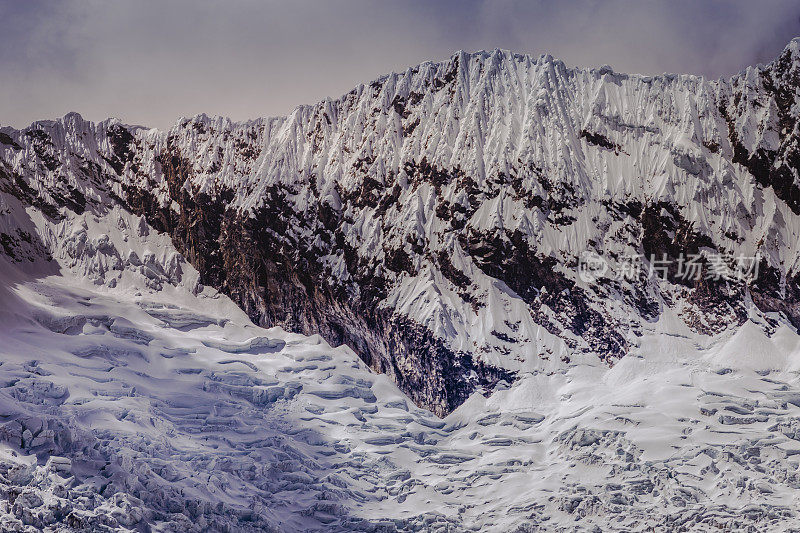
545 261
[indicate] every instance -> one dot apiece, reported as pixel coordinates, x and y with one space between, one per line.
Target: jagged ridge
433 219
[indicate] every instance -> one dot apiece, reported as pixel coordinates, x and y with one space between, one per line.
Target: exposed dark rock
17 187
69 197
771 294
774 169
122 142
5 139
293 258
598 139
21 246
424 172
277 280
508 257
666 234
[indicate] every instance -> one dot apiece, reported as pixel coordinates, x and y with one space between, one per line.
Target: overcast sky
150 62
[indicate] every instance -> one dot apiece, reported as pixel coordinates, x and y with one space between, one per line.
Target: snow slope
431 223
134 398
433 219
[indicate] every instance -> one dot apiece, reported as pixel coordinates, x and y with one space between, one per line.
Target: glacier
368 316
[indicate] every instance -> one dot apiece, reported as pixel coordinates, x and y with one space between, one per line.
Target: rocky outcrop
281 281
436 220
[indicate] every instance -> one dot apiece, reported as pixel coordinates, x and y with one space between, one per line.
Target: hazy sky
150 62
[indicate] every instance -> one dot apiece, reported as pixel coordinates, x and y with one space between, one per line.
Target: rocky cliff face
436 220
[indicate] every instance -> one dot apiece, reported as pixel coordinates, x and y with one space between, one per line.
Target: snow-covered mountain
433 220
152 403
438 223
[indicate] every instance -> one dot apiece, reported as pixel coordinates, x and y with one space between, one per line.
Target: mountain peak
534 253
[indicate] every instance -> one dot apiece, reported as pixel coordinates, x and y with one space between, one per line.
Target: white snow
131 396
503 113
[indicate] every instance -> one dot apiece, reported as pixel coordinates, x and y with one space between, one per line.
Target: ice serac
433 219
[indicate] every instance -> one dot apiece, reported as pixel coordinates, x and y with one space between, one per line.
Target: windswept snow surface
132 397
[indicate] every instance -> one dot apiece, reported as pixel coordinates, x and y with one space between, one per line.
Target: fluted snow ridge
444 179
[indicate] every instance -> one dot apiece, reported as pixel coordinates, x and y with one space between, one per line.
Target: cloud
149 62
711 38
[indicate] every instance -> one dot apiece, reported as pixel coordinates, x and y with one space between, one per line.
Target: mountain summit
587 282
437 220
